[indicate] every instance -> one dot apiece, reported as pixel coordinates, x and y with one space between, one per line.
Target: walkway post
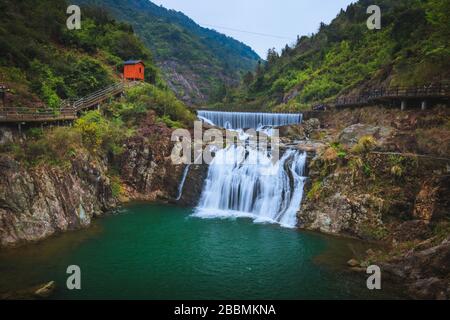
403 105
423 105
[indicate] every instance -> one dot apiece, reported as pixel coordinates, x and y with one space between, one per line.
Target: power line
249 32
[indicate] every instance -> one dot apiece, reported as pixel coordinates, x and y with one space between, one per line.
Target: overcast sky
269 23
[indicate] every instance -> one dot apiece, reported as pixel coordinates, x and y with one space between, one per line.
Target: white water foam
245 182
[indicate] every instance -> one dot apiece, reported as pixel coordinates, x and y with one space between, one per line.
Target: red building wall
134 71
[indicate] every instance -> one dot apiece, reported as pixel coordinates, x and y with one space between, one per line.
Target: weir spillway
248 120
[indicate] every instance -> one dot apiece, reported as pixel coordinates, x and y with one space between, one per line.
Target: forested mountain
345 57
196 62
41 57
42 62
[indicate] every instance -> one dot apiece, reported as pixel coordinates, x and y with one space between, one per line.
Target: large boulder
299 131
358 216
353 133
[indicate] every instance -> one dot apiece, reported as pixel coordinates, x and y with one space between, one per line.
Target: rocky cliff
39 202
383 175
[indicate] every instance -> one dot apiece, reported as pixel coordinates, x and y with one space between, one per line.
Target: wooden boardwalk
69 109
440 91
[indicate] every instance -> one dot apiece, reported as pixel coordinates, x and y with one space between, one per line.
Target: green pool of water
160 252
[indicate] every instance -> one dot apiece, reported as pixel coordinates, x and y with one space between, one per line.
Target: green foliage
99 133
45 83
397 165
92 127
340 150
441 231
116 186
315 192
170 123
401 166
358 166
367 169
35 133
163 102
373 231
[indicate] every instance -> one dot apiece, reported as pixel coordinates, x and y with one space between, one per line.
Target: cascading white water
183 180
248 120
244 182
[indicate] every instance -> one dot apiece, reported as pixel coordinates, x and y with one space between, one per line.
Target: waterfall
183 179
245 182
248 120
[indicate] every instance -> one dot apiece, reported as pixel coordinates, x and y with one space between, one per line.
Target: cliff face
366 180
147 171
37 203
193 185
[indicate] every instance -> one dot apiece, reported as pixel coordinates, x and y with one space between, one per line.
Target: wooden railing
36 115
68 109
440 90
95 98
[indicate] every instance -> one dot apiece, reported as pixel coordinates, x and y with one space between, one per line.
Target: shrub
397 171
163 102
100 134
170 123
116 186
330 155
340 150
364 145
92 128
315 192
34 133
57 146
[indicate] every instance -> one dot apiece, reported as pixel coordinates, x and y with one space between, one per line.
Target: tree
286 50
272 56
257 85
248 79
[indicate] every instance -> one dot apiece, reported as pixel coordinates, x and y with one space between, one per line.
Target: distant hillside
195 61
43 62
346 57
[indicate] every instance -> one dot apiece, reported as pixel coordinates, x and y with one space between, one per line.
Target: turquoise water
160 252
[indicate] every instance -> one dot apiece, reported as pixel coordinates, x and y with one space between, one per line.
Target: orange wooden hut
133 70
